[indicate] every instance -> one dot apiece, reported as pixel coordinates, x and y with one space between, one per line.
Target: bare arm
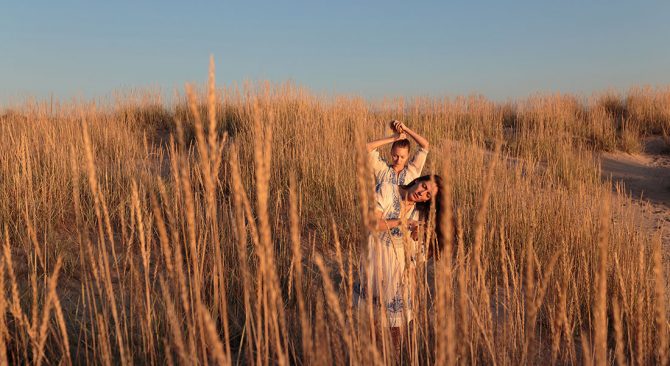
383 225
383 141
418 138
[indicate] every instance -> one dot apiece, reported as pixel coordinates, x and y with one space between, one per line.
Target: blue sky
370 48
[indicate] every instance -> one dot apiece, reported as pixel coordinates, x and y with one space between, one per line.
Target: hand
414 235
399 126
401 136
414 229
394 126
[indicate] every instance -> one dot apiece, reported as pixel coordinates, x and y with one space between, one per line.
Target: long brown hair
425 207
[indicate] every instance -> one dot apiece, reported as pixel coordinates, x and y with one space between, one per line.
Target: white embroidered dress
384 273
384 172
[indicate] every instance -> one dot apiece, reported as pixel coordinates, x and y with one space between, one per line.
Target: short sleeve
376 162
415 166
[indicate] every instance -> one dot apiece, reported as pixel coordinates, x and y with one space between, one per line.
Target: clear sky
501 49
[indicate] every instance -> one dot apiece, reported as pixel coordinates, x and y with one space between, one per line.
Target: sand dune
646 177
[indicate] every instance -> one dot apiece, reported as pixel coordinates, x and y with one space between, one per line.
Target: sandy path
646 177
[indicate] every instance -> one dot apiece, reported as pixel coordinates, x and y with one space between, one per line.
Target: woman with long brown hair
382 271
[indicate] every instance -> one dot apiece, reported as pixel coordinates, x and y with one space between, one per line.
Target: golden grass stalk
659 304
213 338
194 256
480 219
600 306
333 302
618 331
463 306
106 353
262 159
529 348
640 331
106 276
240 203
305 329
587 351
15 308
3 322
62 326
46 313
175 328
446 339
145 253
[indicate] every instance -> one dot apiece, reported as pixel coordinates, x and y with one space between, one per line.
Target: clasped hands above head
398 126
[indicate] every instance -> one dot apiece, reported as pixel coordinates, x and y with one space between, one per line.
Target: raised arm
418 138
383 141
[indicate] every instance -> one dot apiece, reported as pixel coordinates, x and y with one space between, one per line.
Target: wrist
392 224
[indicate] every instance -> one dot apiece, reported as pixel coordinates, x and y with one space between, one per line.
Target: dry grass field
226 229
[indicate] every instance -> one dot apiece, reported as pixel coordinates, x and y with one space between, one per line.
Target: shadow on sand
645 177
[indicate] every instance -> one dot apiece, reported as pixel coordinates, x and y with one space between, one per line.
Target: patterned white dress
384 172
384 273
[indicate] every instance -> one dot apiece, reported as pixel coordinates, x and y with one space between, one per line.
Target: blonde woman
401 169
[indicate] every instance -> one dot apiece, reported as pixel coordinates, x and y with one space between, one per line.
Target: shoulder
418 160
421 151
376 160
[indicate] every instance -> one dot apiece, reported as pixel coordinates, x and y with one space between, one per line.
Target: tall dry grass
227 229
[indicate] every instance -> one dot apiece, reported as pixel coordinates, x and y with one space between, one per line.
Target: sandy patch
646 177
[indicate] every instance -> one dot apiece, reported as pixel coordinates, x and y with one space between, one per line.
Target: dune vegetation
227 227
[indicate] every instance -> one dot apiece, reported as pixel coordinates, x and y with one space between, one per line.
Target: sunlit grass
140 233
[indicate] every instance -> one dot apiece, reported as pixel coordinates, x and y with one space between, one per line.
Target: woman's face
422 191
399 156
